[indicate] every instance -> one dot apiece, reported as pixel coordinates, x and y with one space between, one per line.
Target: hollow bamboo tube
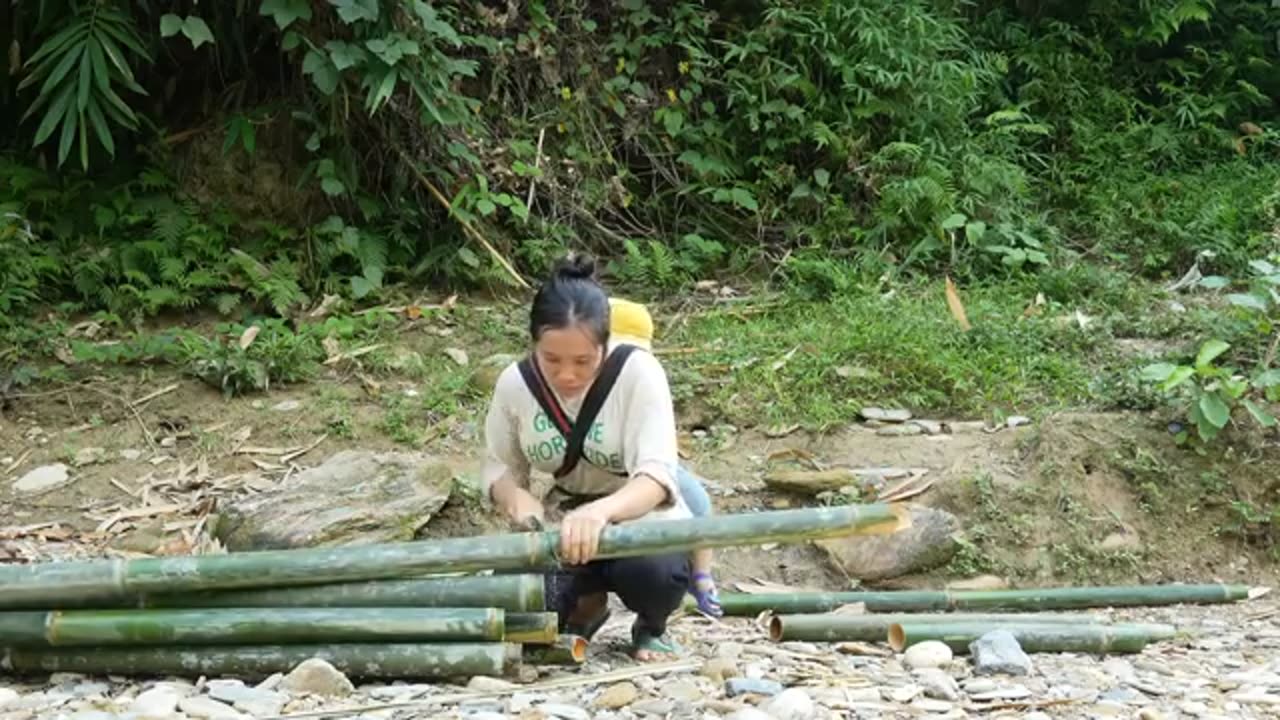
238 626
511 592
872 628
1006 600
531 628
566 650
1062 637
364 661
111 581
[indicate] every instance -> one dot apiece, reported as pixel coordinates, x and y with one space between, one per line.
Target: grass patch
818 363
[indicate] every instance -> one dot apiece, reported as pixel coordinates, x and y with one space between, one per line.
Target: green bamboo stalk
1034 638
874 628
362 661
1007 600
531 628
245 626
514 593
112 581
566 650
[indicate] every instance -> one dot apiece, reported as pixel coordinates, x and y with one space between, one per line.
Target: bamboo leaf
1259 413
86 76
62 70
100 127
1214 410
1210 351
69 125
56 110
56 43
84 141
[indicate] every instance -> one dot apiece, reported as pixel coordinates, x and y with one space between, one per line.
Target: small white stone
45 477
790 704
206 708
927 654
316 676
160 702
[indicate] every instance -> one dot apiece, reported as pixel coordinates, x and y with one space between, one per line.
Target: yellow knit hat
630 322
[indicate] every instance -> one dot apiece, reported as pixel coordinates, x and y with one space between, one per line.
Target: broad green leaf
1262 267
197 32
822 176
332 186
1259 413
1180 375
1210 351
355 10
954 221
673 121
1214 282
291 41
975 231
1235 388
485 206
743 198
285 12
360 287
385 88
1247 300
468 257
322 72
1270 378
170 25
1157 372
344 55
1215 411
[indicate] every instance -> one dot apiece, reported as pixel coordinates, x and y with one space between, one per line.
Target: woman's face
569 359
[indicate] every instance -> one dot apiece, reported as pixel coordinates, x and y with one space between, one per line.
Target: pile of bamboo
904 618
373 611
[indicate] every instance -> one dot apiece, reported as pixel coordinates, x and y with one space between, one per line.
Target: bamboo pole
873 628
363 661
511 592
1034 638
1005 600
566 650
531 628
111 581
247 626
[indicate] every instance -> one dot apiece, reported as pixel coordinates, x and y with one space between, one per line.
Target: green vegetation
254 162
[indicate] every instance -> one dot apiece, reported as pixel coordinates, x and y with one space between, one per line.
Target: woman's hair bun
575 267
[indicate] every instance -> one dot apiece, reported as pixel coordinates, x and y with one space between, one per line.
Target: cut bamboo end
577 647
775 628
897 637
1258 592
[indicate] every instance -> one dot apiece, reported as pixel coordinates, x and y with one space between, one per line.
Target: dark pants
651 586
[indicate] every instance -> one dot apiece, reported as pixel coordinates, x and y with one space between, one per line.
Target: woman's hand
580 534
519 504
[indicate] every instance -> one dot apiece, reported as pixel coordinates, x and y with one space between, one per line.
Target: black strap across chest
575 431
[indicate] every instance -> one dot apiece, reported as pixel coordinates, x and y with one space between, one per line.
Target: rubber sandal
642 639
708 600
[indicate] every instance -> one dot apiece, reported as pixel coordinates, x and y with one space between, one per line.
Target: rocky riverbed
1227 666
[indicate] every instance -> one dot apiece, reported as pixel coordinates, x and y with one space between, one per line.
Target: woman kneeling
598 416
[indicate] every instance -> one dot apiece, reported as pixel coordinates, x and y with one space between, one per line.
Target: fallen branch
466 226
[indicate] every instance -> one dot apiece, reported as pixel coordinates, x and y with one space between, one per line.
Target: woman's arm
650 453
505 477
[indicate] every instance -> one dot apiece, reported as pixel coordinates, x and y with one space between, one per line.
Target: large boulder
928 543
353 498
